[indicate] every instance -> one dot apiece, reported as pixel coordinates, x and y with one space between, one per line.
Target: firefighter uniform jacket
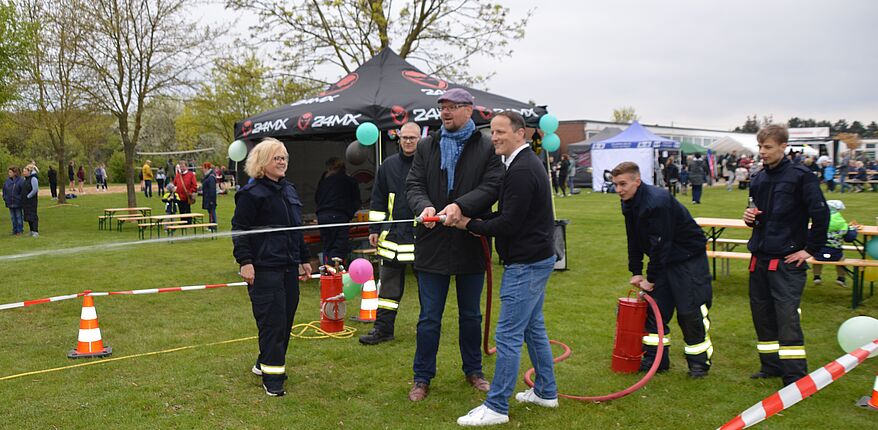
660 227
781 193
397 240
443 250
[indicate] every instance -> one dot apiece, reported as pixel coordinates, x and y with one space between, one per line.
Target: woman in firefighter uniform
395 243
786 197
270 262
677 276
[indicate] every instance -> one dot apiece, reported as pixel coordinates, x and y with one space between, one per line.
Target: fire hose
567 351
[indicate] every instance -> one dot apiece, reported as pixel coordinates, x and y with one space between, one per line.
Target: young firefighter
395 242
677 276
787 196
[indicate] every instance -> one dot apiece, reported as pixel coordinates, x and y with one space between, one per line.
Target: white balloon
857 332
238 150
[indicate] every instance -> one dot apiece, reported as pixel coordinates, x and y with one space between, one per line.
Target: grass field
342 384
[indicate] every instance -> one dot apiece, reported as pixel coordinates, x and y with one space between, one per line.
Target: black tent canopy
387 91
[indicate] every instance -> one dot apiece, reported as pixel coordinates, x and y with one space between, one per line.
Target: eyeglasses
451 108
409 137
280 158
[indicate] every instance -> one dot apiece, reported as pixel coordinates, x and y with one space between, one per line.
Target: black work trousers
392 275
775 295
336 240
685 287
274 296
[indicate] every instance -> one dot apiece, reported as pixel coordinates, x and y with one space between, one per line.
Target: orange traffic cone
90 343
870 402
368 302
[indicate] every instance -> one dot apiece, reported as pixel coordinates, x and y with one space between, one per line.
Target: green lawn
342 384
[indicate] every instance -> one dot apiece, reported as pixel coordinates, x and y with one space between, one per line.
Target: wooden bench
159 226
123 220
102 221
852 267
183 227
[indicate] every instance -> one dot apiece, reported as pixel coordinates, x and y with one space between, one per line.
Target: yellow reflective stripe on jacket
652 339
377 216
769 347
791 352
388 304
405 256
271 370
390 198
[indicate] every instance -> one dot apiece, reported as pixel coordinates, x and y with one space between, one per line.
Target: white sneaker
530 397
482 416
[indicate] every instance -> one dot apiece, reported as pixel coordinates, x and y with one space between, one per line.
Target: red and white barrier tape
112 293
801 389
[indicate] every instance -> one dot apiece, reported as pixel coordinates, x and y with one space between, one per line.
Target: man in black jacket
677 275
337 198
395 242
524 228
456 170
786 197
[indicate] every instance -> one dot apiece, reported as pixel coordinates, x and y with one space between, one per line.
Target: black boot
375 337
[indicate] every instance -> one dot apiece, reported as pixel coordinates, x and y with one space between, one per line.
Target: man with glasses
395 242
454 173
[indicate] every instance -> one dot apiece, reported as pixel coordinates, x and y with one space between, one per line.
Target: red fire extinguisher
630 326
332 302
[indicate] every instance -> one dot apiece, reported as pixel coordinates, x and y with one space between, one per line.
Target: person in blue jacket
787 198
12 199
208 193
677 275
272 261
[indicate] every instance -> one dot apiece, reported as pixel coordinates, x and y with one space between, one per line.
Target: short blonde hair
261 155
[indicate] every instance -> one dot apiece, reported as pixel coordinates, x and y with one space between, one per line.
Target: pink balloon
360 270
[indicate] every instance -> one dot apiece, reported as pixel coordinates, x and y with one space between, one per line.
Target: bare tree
136 50
443 34
51 96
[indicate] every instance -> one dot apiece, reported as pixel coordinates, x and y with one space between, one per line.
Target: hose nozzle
437 218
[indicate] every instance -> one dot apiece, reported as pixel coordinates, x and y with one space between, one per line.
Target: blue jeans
432 292
17 216
521 320
147 187
696 193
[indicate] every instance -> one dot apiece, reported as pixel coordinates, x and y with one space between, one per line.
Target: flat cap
457 95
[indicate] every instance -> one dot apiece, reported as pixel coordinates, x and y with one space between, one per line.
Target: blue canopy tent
636 144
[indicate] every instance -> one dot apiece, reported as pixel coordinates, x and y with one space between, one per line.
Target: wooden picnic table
107 218
156 220
715 228
144 210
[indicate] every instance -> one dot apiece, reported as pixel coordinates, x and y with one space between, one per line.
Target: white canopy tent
740 143
636 144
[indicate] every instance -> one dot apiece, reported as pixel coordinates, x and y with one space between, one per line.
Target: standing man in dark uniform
677 275
337 198
455 170
786 196
395 242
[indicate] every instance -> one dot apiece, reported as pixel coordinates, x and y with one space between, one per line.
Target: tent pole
551 189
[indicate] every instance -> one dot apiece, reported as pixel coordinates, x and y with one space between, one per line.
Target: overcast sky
692 62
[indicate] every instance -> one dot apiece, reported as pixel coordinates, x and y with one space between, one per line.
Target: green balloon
551 142
367 133
872 248
351 288
857 332
237 150
549 123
